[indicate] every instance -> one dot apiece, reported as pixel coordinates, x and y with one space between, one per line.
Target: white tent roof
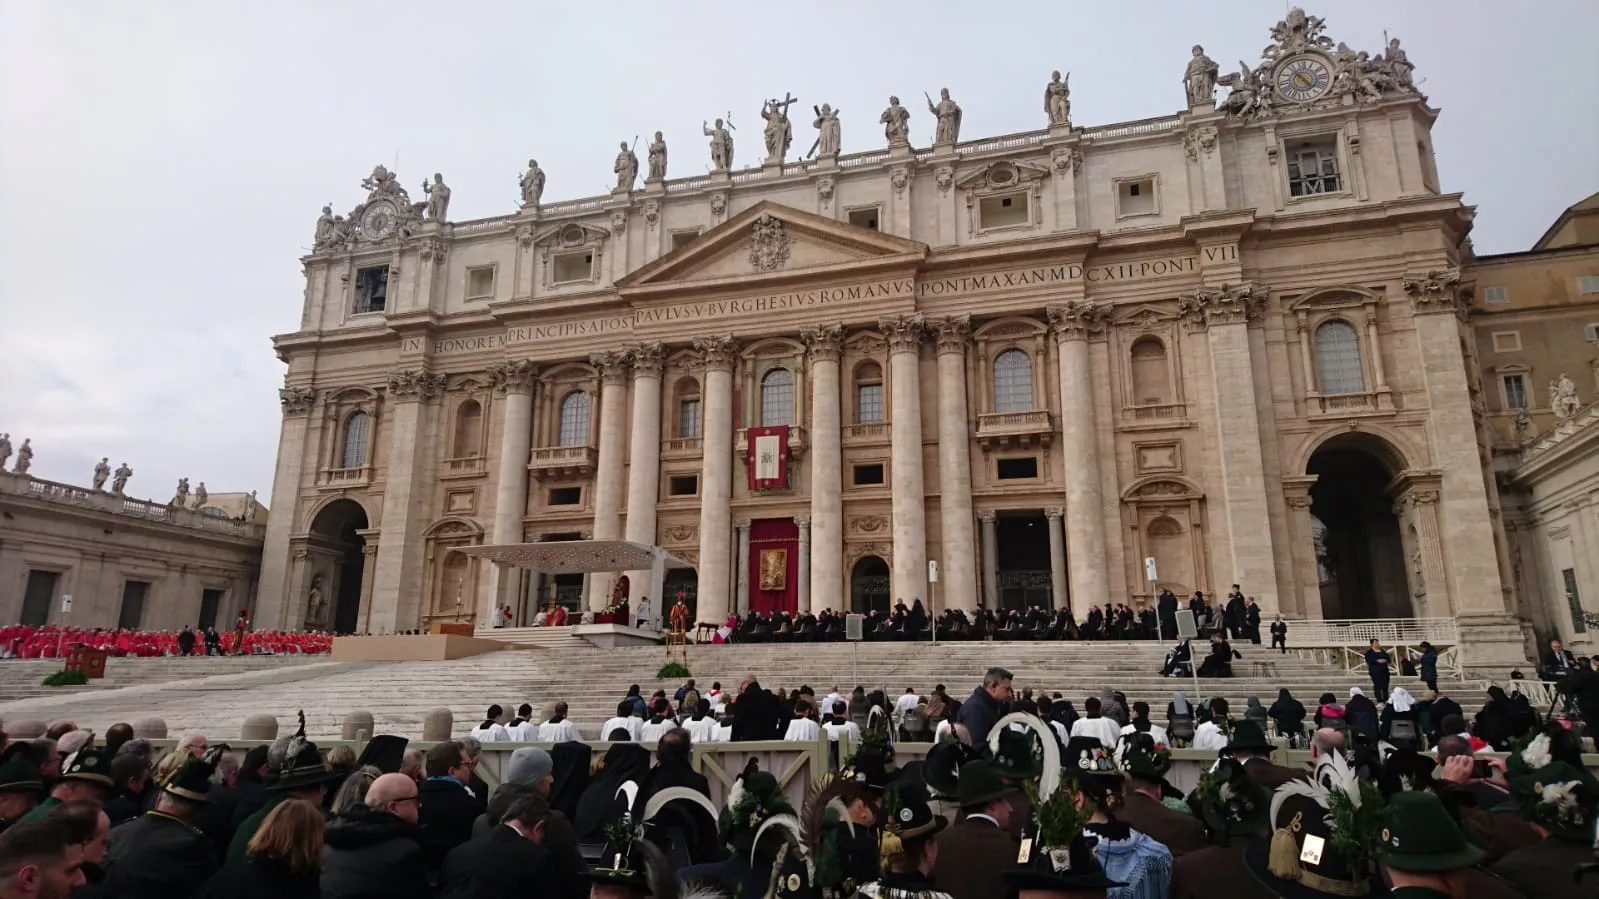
575 556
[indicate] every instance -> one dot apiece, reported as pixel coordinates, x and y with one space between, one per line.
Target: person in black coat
756 714
1252 621
447 807
1233 613
186 641
161 854
1289 714
1166 611
1361 713
373 849
507 861
1279 634
1442 707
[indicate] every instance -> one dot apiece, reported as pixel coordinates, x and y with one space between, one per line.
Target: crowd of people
23 641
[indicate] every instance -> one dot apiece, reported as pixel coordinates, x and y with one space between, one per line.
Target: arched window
868 394
1013 382
777 398
1338 359
468 430
574 419
357 434
688 408
1151 372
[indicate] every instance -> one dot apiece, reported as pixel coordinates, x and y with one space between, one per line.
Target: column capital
716 353
951 334
647 359
987 516
803 522
1421 497
412 384
1055 513
297 400
741 524
825 342
612 365
1225 305
1434 291
904 333
1077 319
513 376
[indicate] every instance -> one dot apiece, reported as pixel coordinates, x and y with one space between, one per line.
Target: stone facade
1087 347
125 562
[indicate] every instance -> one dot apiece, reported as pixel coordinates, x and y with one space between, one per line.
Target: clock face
1304 78
378 221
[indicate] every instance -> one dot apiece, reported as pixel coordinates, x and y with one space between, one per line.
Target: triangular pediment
775 242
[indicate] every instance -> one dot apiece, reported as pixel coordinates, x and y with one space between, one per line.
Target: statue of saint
182 497
119 480
1200 78
626 168
830 134
102 471
1562 398
657 158
949 118
1398 65
779 133
313 602
5 450
250 505
24 457
896 121
1058 99
532 182
326 231
721 146
438 202
200 496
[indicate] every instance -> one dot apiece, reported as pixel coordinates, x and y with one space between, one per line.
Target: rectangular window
1579 624
566 496
1136 196
1313 168
869 404
480 283
371 289
1588 285
1496 294
864 218
210 602
1590 332
1515 392
683 485
132 612
688 417
1017 469
569 267
1007 211
1507 341
684 238
868 475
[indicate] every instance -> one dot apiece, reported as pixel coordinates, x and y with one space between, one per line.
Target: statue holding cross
779 133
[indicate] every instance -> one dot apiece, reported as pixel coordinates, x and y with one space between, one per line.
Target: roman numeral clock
1304 79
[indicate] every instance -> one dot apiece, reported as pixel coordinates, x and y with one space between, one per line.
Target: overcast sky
162 163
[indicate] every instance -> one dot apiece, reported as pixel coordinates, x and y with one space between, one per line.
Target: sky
162 164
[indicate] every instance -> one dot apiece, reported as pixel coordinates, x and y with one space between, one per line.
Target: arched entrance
334 602
684 584
1360 556
868 585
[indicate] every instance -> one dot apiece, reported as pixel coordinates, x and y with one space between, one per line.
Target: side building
1075 366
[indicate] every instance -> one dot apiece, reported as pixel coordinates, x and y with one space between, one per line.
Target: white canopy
577 556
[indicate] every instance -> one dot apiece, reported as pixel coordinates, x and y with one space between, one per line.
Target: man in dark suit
161 854
1279 634
756 713
1146 772
1250 748
974 854
507 861
447 809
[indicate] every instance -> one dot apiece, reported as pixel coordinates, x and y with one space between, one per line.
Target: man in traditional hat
304 775
1251 748
1146 765
974 853
1127 854
161 853
756 797
1057 858
86 774
1236 811
1423 854
20 783
1312 852
908 850
1561 801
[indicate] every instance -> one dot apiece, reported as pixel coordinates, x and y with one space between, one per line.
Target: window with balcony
574 419
1013 382
777 398
468 430
1313 168
688 417
1151 372
371 289
357 435
868 394
1338 367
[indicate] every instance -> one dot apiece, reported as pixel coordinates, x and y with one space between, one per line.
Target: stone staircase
20 678
537 637
593 680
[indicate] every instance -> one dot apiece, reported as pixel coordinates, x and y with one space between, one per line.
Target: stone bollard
436 724
259 727
355 723
26 728
150 729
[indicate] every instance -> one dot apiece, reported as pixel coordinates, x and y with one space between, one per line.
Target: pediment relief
570 235
1010 328
1002 175
776 348
864 342
1334 298
771 240
1147 317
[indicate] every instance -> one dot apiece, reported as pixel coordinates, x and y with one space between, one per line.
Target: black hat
90 764
1017 754
941 771
1230 802
385 752
193 780
628 859
755 797
1141 758
1058 855
303 765
1421 836
1087 757
907 814
1559 798
1303 859
18 770
1405 770
980 784
868 768
1248 736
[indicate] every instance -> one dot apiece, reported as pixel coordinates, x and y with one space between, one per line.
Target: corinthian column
514 381
904 334
644 460
716 478
1085 516
608 482
802 571
826 569
955 465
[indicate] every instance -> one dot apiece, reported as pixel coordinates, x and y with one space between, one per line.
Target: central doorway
1023 560
1360 558
337 528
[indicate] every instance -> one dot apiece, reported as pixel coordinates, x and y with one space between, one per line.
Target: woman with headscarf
1361 713
1401 707
1493 723
1178 708
599 804
1110 708
1254 711
571 770
1289 713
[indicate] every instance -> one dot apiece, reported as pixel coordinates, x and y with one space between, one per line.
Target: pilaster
271 599
398 588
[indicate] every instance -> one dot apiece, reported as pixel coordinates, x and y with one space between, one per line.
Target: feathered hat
808 864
